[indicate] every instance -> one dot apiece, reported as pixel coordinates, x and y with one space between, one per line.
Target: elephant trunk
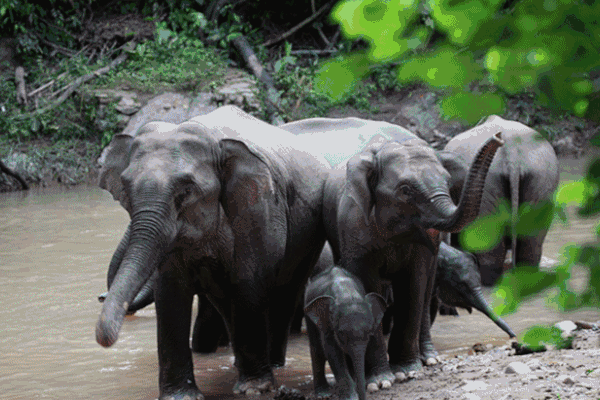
357 357
481 304
452 218
146 294
146 246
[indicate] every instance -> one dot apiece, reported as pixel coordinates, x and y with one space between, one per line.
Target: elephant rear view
525 170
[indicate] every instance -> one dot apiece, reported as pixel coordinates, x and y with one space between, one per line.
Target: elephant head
183 185
458 284
403 186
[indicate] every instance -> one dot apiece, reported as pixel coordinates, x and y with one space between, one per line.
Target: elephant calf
341 319
458 284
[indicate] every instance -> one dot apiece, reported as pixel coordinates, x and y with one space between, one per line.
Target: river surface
55 246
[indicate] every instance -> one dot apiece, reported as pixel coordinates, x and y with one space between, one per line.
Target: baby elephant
341 321
458 284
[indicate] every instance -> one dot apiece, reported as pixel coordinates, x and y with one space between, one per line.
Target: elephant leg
173 314
345 386
377 369
529 249
410 290
428 353
387 320
296 327
317 357
281 313
250 338
209 328
491 263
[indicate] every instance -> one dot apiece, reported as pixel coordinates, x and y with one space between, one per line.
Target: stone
566 326
566 379
518 368
167 107
128 105
471 386
471 396
241 91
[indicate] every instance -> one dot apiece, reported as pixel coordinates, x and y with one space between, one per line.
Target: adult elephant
224 205
209 331
524 171
384 210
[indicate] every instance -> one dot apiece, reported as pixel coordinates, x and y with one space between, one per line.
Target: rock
168 107
471 396
566 326
566 379
241 91
518 368
471 386
201 105
128 105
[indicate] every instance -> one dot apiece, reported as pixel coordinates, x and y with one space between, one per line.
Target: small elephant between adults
341 319
384 210
226 206
525 171
457 284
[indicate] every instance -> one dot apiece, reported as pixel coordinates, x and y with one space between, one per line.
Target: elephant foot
190 394
429 356
256 386
382 380
323 392
407 370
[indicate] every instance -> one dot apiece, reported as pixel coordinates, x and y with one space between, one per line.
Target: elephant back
338 139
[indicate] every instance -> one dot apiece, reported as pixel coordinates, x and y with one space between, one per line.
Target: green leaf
570 193
471 107
338 78
518 284
486 232
539 336
534 218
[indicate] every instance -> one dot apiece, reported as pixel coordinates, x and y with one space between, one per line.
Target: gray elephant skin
384 210
458 284
222 205
524 171
340 320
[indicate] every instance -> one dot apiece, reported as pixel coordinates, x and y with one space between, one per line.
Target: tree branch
242 45
68 90
308 20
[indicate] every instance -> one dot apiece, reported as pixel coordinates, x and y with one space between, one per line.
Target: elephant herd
342 216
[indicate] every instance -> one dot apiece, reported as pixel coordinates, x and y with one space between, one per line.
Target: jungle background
74 72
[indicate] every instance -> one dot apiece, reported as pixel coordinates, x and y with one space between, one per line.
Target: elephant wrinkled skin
383 212
524 171
340 320
222 205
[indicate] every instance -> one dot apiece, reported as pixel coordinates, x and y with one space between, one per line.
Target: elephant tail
514 182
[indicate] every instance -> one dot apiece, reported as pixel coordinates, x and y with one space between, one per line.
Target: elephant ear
360 181
114 159
246 175
319 312
458 168
378 306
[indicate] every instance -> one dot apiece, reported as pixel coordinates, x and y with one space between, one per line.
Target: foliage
171 60
549 46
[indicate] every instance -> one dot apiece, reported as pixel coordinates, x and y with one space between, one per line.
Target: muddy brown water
55 246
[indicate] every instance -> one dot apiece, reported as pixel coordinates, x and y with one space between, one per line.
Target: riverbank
44 162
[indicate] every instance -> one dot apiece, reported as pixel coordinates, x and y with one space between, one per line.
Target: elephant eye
405 190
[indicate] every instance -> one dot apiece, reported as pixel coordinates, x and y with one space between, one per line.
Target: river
55 246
